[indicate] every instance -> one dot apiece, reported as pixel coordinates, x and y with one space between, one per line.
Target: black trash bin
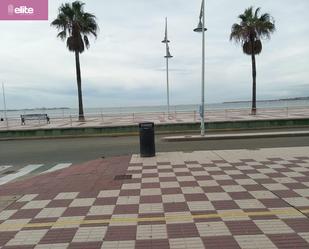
147 140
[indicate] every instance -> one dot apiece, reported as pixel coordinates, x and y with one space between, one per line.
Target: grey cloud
125 65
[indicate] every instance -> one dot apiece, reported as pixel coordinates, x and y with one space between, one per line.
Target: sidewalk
239 135
204 199
110 120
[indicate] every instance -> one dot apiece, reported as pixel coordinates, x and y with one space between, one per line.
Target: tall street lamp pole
201 29
4 105
167 57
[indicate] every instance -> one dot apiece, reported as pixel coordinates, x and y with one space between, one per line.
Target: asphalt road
76 150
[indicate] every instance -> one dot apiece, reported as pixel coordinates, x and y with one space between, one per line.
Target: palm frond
257 47
256 13
76 24
252 28
60 22
86 41
62 35
67 11
75 44
89 24
236 33
249 12
264 18
78 6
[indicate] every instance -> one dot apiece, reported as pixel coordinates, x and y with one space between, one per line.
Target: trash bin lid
146 125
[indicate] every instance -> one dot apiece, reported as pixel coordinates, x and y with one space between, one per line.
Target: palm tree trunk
253 109
81 116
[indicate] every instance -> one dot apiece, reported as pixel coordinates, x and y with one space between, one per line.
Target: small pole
167 86
71 120
167 57
4 105
203 74
167 76
201 28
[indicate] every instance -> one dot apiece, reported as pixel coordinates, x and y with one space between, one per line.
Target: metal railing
116 119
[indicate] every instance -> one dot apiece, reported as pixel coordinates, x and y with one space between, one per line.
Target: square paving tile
27 198
101 210
5 214
50 212
288 241
116 233
82 202
220 242
36 204
273 226
52 246
67 196
243 227
60 235
254 241
151 208
210 229
23 238
153 244
186 243
88 245
125 244
150 232
90 234
182 230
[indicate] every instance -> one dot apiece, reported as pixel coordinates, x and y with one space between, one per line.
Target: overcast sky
125 65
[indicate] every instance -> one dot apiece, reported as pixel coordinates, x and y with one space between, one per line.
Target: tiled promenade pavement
160 118
215 199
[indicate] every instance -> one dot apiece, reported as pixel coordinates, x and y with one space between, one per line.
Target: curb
129 130
236 136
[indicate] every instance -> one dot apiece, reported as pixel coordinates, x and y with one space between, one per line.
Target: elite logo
10 9
23 9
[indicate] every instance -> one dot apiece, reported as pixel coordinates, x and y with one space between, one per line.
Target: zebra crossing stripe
58 167
24 171
2 168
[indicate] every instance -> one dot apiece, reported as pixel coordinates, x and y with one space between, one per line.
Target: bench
34 117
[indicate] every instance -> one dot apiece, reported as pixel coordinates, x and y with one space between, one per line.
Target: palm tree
74 26
252 28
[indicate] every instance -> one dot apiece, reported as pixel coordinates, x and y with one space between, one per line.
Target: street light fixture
201 29
167 57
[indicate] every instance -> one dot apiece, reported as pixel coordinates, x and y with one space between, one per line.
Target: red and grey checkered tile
220 199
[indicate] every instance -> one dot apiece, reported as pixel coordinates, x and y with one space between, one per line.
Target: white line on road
58 167
2 168
24 171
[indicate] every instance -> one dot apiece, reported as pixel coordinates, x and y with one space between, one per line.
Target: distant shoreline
161 107
267 100
42 108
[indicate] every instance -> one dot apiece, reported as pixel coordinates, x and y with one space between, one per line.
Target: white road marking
24 171
58 167
2 168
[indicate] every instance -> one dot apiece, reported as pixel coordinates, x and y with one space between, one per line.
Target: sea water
65 112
